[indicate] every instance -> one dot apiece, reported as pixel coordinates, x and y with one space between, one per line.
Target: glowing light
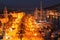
35 34
10 29
48 16
53 16
7 37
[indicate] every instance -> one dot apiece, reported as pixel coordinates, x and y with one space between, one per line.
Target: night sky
27 4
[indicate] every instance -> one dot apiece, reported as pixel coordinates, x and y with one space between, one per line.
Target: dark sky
27 4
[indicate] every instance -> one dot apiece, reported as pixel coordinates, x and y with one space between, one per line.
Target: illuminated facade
50 20
21 26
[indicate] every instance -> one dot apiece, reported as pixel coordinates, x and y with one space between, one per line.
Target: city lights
22 26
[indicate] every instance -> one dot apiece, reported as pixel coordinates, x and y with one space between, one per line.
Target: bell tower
5 12
36 13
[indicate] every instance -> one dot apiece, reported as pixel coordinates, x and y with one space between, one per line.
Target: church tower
5 12
36 13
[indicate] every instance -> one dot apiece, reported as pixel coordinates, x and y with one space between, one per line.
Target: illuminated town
22 26
41 25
